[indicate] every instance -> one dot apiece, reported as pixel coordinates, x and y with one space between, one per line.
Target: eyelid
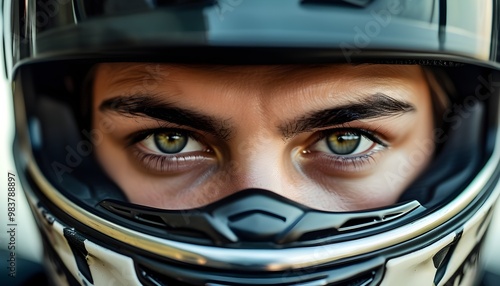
138 136
158 162
350 164
363 132
169 163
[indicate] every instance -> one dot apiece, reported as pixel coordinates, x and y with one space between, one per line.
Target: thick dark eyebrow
377 105
152 107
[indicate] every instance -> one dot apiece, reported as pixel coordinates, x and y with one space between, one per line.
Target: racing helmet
93 235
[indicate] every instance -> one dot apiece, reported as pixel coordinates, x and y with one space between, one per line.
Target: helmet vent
363 280
369 221
359 223
177 224
256 217
151 219
366 273
344 225
147 218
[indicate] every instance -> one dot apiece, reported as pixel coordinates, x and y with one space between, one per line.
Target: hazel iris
170 142
343 142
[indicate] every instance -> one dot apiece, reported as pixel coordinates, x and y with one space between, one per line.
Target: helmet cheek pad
93 235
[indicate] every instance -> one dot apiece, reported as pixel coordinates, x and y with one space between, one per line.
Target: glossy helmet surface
93 236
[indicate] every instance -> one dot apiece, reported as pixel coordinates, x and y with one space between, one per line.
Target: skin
265 130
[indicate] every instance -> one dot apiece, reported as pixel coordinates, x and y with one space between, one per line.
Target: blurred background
27 244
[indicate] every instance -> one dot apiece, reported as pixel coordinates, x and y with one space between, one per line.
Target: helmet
95 234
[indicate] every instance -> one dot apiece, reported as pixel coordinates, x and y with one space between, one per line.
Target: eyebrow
375 106
152 107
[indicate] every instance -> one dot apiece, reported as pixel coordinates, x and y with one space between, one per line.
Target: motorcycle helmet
94 235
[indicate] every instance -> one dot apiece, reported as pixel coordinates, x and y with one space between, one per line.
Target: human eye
171 142
346 149
170 150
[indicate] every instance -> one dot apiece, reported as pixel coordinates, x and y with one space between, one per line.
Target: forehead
125 74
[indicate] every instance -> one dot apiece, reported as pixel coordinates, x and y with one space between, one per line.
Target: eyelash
347 163
370 135
165 162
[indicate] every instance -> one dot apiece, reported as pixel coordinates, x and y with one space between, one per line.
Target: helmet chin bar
255 216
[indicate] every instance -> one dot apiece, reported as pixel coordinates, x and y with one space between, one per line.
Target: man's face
336 138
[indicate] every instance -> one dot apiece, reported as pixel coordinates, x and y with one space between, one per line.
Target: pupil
343 143
170 142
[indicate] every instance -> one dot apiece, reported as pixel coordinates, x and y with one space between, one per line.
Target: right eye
171 142
171 151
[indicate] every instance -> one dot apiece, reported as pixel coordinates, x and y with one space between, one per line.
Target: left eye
171 142
344 142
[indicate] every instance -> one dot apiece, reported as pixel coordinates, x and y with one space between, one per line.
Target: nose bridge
259 161
259 157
